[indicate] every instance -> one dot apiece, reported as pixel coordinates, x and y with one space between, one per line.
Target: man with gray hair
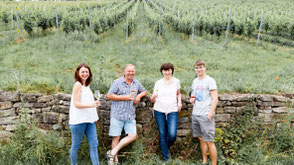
125 93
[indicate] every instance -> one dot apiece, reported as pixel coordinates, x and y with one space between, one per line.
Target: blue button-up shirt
124 110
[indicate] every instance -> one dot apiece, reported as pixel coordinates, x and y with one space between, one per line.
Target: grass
46 64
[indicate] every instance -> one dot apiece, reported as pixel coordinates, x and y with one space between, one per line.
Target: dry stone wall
52 111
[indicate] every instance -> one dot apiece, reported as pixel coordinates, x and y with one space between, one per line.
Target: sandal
109 158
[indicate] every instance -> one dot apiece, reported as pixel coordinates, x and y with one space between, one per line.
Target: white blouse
166 101
83 115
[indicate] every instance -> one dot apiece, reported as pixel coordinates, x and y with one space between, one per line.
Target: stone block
63 117
144 116
5 135
11 128
9 120
139 128
239 104
246 98
48 109
29 97
266 117
56 127
184 125
104 114
219 111
268 111
9 96
183 132
281 110
28 105
5 105
50 118
45 99
63 109
230 110
222 117
7 113
226 97
280 104
40 105
66 103
281 98
183 120
265 98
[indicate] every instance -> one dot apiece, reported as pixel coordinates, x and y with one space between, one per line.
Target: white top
166 101
83 115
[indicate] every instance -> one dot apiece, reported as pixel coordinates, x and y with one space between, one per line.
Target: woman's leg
172 125
91 134
77 132
162 129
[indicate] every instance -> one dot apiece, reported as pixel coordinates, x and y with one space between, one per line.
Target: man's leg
130 129
204 149
124 142
115 130
212 152
115 141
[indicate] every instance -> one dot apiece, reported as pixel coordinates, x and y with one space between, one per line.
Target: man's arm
139 96
213 103
114 97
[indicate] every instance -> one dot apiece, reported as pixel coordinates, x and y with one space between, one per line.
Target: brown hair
167 66
199 63
77 76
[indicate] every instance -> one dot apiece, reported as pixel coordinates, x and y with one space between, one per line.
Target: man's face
200 70
129 72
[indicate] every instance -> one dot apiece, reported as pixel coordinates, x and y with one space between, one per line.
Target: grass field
45 62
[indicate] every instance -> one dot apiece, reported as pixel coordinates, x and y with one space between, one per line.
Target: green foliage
241 131
31 146
28 26
5 17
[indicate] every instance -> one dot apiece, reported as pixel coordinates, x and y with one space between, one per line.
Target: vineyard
148 32
273 21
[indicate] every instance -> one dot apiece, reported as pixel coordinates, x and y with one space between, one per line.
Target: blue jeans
77 132
167 127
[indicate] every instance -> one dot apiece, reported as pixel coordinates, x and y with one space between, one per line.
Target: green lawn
46 63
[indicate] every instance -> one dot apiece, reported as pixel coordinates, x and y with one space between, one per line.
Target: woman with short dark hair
167 98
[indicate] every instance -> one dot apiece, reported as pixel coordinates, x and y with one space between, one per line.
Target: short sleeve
113 88
156 87
140 87
178 85
212 84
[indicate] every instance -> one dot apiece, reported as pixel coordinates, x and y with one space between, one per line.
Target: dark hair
167 66
199 63
77 76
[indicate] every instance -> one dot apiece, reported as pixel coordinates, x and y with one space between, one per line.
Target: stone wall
51 111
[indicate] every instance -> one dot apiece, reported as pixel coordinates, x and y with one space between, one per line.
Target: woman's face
167 73
84 74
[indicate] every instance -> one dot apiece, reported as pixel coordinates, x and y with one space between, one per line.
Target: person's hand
179 106
136 100
96 103
192 100
129 97
154 96
210 116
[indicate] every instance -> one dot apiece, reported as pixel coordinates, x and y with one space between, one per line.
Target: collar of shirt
122 80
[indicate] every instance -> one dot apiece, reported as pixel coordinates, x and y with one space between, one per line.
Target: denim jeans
77 132
167 127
